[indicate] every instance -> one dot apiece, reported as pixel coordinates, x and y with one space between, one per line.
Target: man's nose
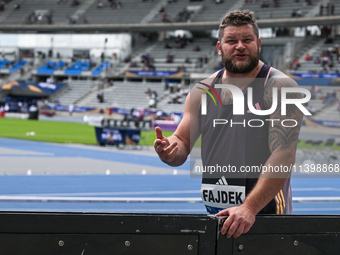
240 46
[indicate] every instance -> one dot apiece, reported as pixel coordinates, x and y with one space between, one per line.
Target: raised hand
164 148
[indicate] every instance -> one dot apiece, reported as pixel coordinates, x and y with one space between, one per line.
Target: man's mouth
241 55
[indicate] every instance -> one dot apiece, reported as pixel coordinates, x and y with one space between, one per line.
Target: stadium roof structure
193 26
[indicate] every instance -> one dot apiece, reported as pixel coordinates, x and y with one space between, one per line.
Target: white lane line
102 199
316 189
141 199
155 192
315 209
316 199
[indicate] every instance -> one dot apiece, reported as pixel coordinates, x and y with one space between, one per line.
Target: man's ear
260 42
218 46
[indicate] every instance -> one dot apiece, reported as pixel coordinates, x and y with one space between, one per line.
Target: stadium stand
59 12
193 54
324 57
212 11
125 95
280 9
130 11
190 58
75 92
170 12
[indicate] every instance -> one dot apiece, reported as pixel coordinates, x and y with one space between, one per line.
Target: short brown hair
238 18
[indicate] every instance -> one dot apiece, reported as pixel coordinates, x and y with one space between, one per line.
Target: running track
127 190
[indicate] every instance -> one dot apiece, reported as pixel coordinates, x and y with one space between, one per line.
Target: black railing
41 233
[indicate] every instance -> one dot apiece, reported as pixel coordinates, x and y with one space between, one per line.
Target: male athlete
243 143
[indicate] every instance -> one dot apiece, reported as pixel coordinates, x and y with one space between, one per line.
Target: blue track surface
64 151
131 186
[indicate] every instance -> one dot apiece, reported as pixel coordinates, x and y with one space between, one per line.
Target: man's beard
241 66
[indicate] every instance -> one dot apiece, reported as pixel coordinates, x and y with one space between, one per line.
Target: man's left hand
240 220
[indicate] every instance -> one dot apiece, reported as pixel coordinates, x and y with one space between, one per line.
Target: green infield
69 132
59 132
48 131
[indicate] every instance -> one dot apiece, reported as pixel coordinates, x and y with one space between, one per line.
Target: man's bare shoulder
193 100
208 80
203 84
279 79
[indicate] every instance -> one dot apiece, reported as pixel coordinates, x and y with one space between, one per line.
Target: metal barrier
51 233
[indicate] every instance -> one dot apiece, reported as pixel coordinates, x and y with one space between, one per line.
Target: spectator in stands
181 68
145 57
296 65
187 60
75 3
218 1
115 5
148 92
100 5
196 48
165 17
296 13
265 4
151 65
170 57
181 42
199 62
321 9
16 6
133 64
85 21
332 8
167 45
153 99
308 57
276 3
2 6
328 8
317 60
100 97
184 16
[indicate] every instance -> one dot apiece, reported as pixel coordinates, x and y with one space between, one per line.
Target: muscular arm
174 150
184 137
282 144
